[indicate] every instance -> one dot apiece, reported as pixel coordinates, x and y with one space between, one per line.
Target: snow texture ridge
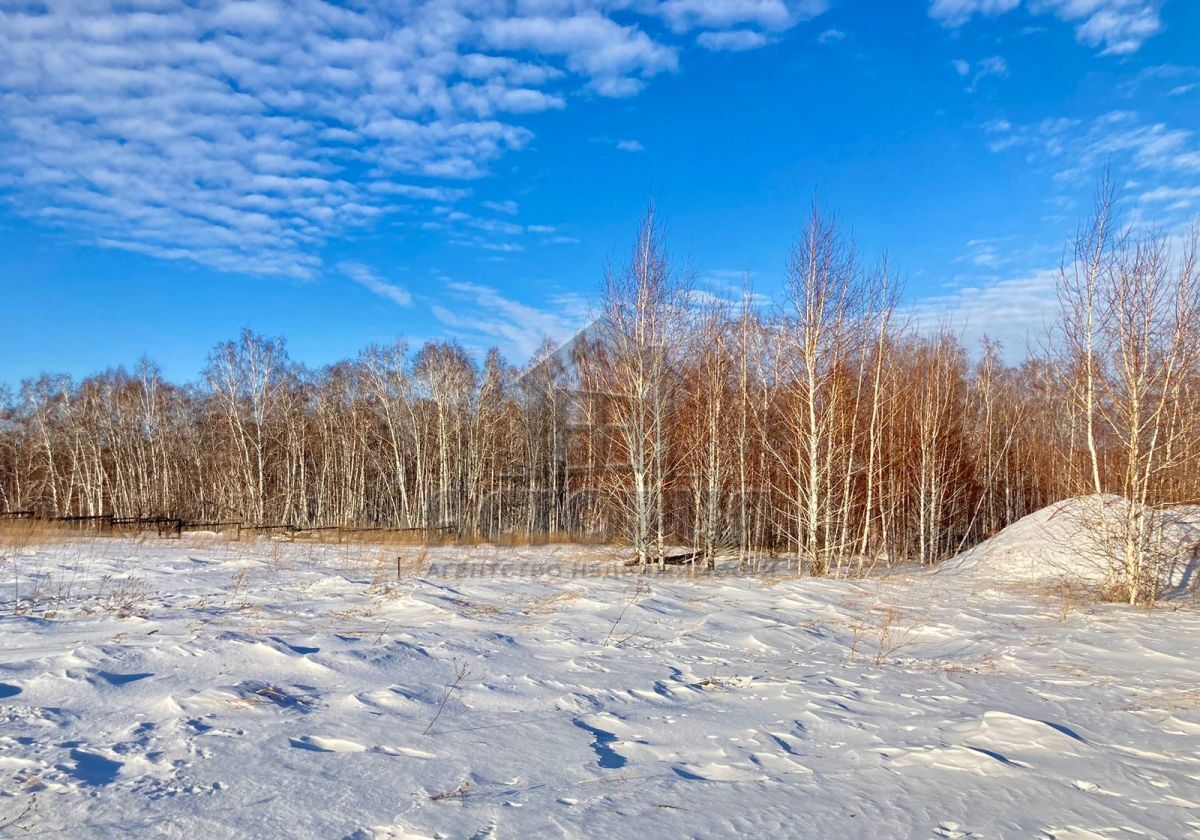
211 689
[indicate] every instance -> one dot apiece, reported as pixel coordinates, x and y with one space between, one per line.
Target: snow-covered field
210 689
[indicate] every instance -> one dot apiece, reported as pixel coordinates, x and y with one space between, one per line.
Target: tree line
825 428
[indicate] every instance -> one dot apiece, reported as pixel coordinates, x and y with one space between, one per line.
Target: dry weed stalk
459 792
26 812
888 627
461 672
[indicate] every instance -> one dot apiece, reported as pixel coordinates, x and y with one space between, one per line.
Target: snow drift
207 689
1078 540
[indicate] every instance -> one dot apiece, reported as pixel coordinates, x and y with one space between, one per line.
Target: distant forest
827 429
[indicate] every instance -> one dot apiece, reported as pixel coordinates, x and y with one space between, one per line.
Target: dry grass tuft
888 629
18 534
1076 593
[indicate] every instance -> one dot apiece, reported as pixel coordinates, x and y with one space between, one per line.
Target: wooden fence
173 527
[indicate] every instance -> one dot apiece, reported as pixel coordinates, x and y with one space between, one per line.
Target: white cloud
1159 163
621 144
412 191
478 313
614 56
993 66
1183 199
831 36
983 252
243 135
734 40
1119 26
1078 150
497 235
1160 80
507 207
1017 310
773 15
1014 311
367 278
736 25
958 12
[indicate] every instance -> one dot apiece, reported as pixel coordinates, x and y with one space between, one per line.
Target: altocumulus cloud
1118 26
242 135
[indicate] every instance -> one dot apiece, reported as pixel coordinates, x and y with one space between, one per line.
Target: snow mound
1078 540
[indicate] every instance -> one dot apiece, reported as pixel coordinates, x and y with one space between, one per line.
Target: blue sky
341 175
